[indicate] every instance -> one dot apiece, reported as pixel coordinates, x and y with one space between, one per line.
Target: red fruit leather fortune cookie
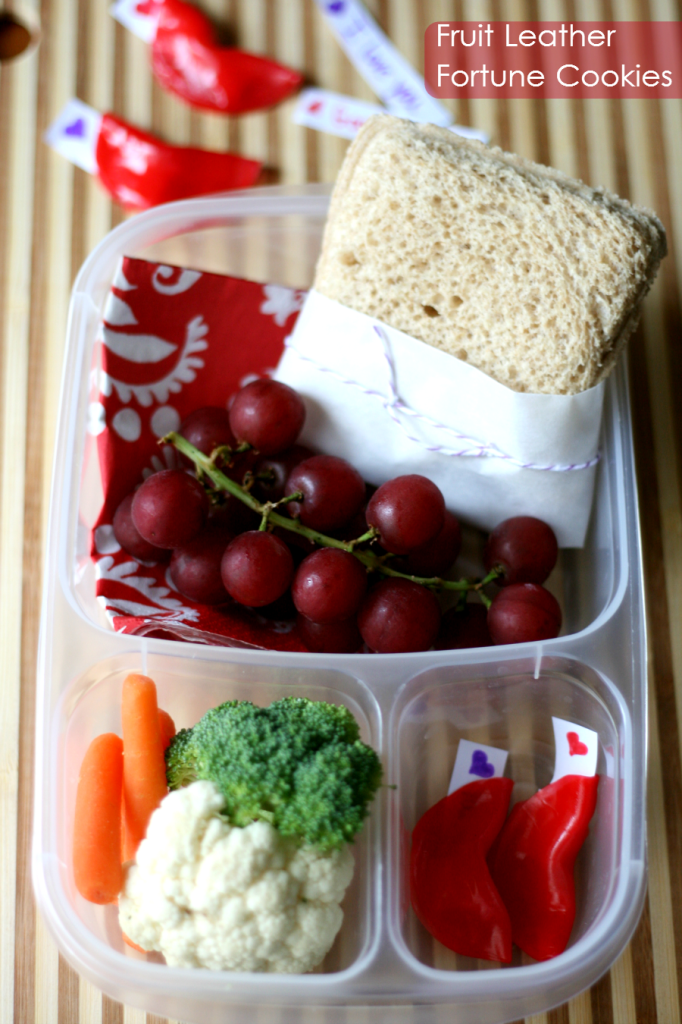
188 60
532 863
139 170
452 892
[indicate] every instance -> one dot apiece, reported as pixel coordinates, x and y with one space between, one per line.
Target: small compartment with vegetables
485 790
241 846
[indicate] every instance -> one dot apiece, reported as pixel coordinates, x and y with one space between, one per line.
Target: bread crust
528 274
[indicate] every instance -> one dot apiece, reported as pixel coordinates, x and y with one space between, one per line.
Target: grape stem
494 574
206 466
268 506
365 539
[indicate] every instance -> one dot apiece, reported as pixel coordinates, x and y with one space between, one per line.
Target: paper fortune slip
336 114
476 761
73 134
576 749
392 405
138 16
382 66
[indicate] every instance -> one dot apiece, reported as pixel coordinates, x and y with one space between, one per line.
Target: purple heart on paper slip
76 128
480 765
336 7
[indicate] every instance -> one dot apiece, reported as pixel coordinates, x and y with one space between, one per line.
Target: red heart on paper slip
575 746
146 7
315 106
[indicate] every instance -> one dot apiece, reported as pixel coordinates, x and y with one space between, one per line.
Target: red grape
525 547
398 615
257 568
436 556
128 536
299 545
333 492
234 516
208 427
408 511
353 529
170 508
195 567
331 637
272 472
329 586
241 463
268 415
522 613
465 628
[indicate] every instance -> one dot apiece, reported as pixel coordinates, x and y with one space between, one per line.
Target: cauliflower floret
207 894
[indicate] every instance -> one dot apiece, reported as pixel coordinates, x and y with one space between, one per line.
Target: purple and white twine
394 406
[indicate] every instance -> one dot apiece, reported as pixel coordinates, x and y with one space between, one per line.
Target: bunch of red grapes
280 523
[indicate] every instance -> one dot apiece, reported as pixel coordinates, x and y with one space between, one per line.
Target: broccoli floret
297 764
180 769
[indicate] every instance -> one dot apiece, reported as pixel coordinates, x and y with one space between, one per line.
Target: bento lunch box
413 708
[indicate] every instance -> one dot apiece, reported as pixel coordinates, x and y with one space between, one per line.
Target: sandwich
525 273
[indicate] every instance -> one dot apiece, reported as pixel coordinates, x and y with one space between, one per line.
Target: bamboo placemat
51 216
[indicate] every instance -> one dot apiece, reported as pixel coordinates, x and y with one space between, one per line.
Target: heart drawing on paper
336 7
575 745
146 7
480 765
76 128
315 106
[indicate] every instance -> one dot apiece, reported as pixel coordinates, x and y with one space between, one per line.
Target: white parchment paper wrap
335 355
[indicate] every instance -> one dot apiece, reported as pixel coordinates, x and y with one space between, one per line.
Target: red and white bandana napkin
172 340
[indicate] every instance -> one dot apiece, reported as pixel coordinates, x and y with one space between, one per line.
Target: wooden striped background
51 216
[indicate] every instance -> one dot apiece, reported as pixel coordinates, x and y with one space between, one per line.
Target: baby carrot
144 767
97 821
123 825
166 728
167 731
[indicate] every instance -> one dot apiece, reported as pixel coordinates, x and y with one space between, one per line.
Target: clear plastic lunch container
413 708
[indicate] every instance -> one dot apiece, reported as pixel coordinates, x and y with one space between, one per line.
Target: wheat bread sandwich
525 273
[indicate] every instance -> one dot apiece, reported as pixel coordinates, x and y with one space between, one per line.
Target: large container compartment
413 708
